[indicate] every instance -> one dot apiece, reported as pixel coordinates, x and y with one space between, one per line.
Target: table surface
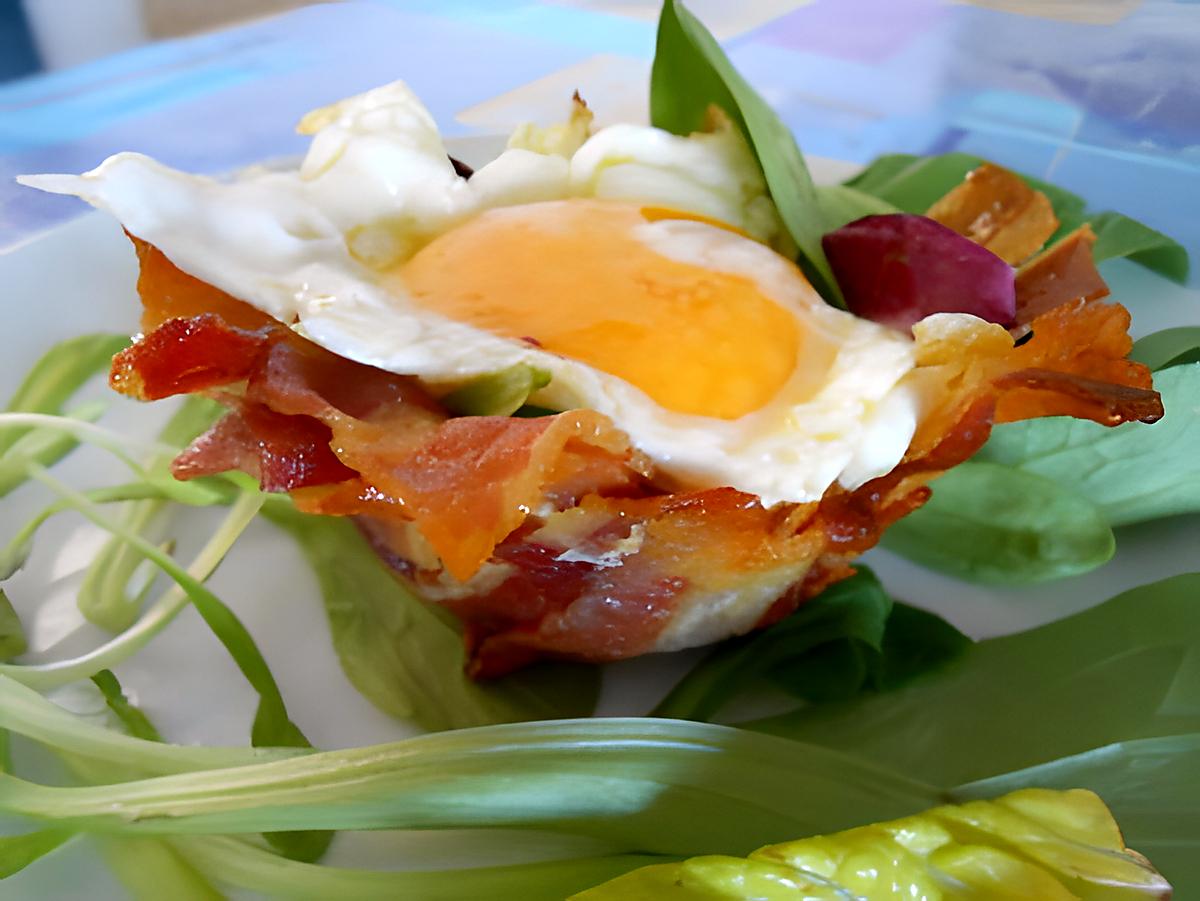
1101 96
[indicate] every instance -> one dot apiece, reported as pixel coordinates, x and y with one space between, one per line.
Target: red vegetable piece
897 269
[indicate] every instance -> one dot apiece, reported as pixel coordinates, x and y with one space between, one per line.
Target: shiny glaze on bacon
550 536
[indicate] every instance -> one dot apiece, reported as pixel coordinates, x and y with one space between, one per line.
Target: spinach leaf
842 204
1119 236
406 658
690 73
993 523
1169 347
1132 472
1123 670
913 183
849 638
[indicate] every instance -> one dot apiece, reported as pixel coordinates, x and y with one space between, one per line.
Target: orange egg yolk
573 278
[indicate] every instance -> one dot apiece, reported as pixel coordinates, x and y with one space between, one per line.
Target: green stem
51 675
98 435
241 864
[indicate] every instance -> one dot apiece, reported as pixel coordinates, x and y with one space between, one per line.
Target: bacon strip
1061 274
549 536
997 209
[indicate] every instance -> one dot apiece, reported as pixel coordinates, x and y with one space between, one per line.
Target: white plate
80 277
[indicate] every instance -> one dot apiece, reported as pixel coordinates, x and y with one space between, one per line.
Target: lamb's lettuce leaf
850 638
991 523
405 657
1132 472
1169 347
1039 500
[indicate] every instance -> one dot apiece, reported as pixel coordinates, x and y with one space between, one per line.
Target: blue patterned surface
1110 111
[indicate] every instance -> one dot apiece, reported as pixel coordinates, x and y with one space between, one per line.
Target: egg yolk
573 278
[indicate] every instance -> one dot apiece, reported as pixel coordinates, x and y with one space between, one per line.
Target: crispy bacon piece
183 356
995 208
283 452
1061 274
549 536
167 292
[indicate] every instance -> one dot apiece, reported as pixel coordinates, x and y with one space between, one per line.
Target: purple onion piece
896 269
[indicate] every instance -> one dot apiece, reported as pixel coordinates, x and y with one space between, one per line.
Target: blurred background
38 35
55 34
1099 96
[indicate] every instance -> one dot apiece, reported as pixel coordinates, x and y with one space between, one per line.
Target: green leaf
657 786
844 616
135 722
1124 670
12 636
690 73
1132 472
1119 236
913 183
60 372
1169 347
42 447
645 785
152 870
497 394
404 657
104 598
271 727
849 638
25 712
841 205
19 851
915 642
996 524
160 614
245 866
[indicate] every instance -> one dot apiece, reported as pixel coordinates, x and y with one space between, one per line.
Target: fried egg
636 267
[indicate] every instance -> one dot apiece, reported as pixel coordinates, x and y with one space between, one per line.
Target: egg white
307 248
